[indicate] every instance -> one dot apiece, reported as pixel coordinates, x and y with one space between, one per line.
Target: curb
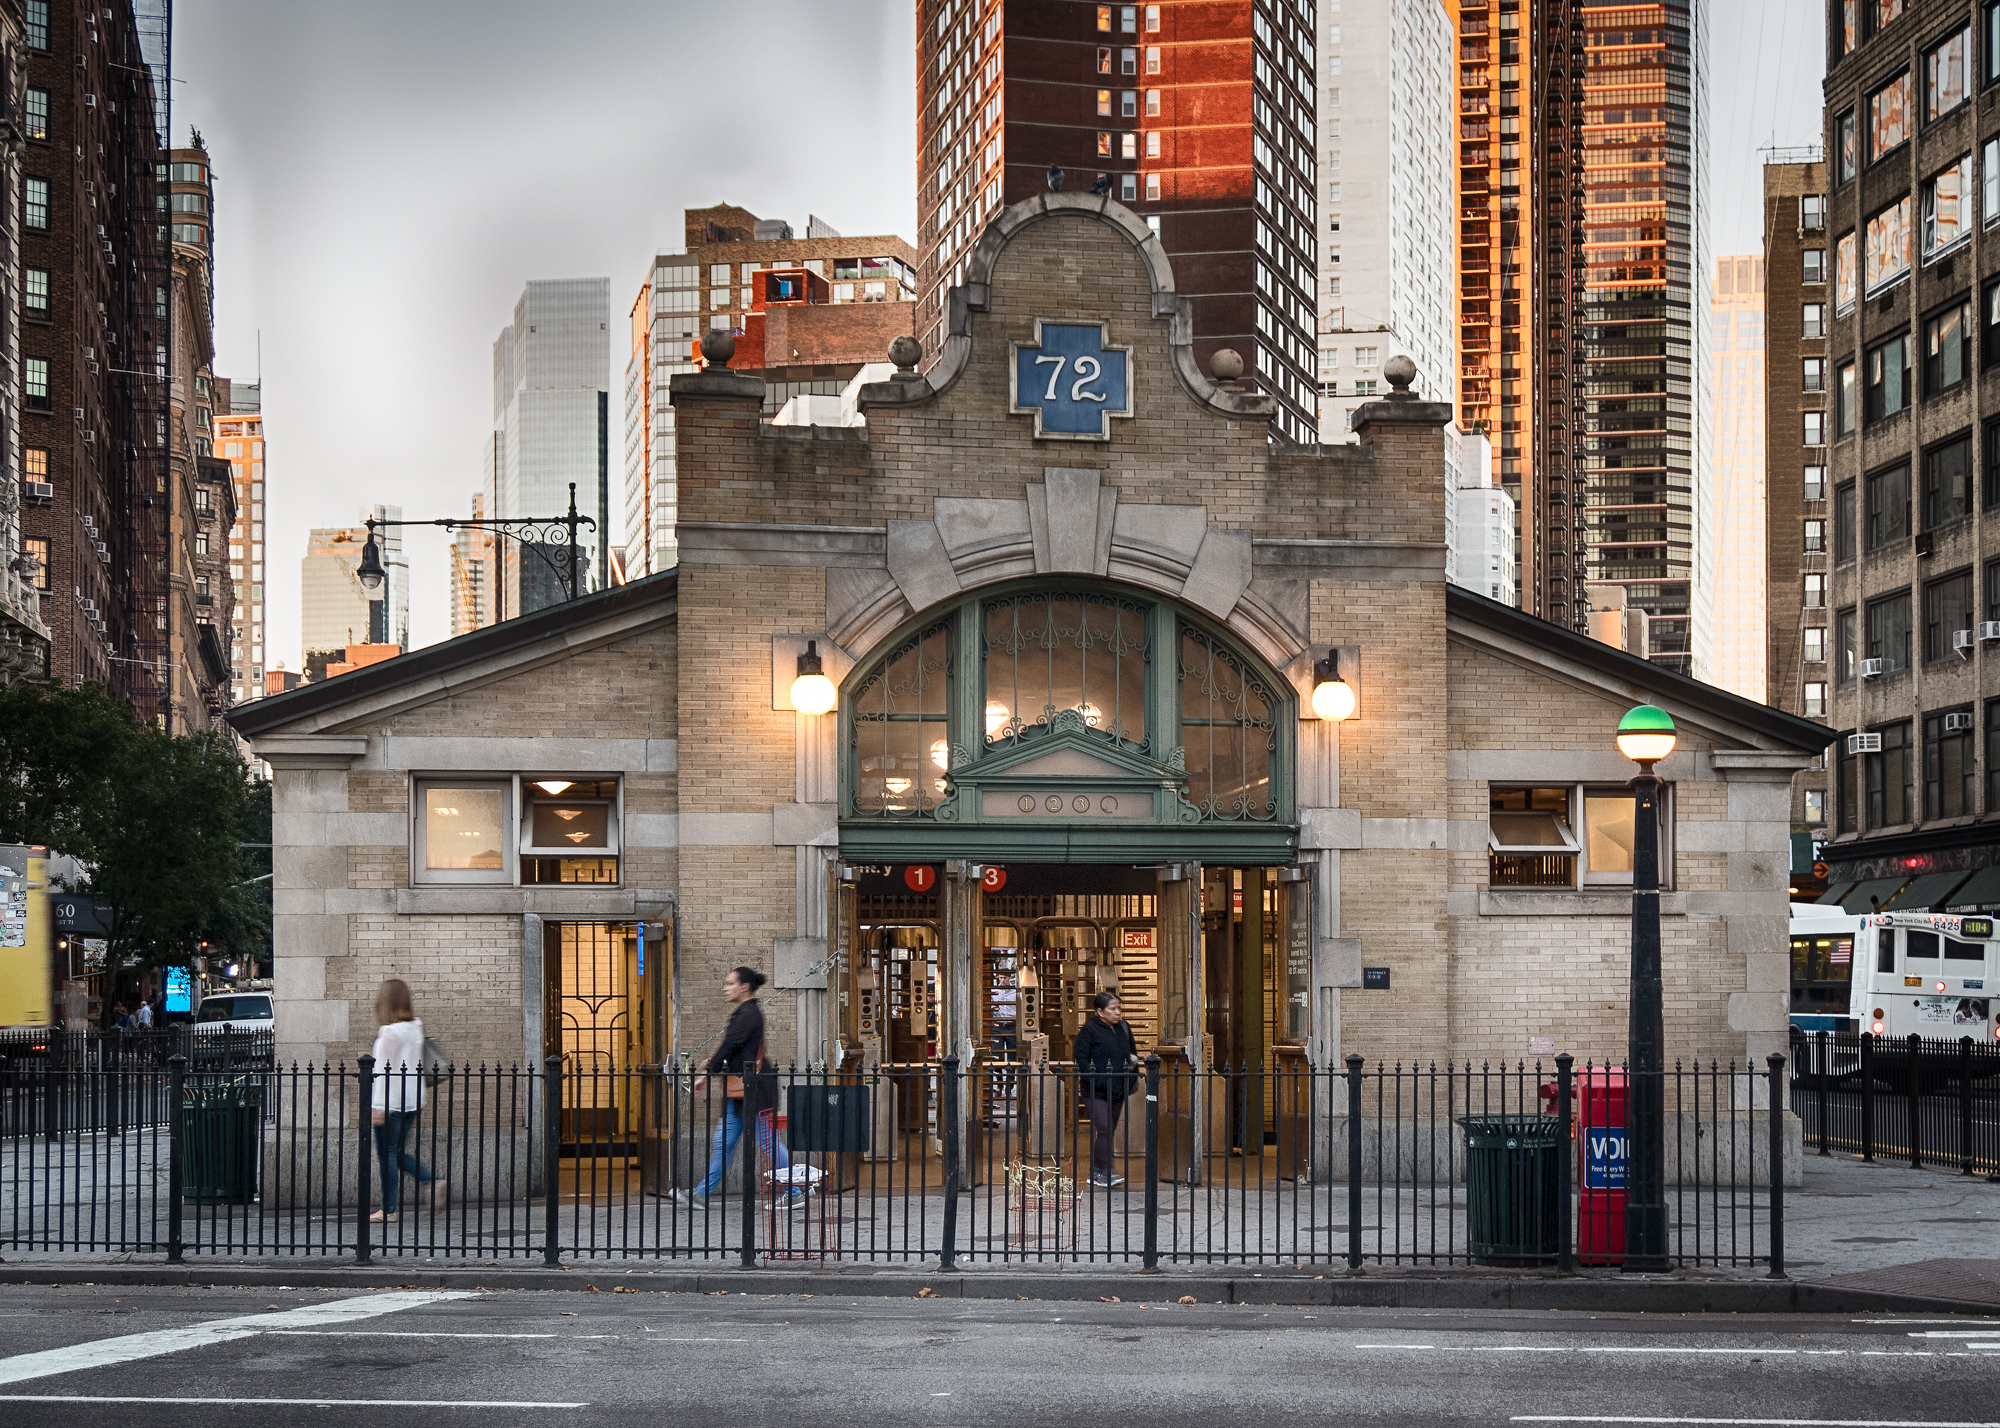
1661 1295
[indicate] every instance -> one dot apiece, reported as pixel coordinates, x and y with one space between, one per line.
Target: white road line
292 1402
1985 1333
1761 1423
1586 1349
128 1347
1989 1322
1770 1422
411 1334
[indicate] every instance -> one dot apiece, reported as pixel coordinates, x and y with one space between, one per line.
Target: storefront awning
1980 891
1835 891
1930 892
1880 889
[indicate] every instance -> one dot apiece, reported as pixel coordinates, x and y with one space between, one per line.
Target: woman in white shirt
399 1094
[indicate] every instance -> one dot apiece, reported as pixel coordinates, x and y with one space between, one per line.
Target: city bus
1822 945
1928 973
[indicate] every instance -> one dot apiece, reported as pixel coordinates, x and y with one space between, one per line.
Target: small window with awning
1531 838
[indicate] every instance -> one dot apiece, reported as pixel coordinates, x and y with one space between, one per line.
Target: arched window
1050 651
990 710
900 743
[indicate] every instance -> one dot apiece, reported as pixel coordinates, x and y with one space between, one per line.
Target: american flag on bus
1843 952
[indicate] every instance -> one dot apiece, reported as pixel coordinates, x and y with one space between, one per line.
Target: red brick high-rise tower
1196 114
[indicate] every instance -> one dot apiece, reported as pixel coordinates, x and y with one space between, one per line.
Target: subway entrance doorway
1001 966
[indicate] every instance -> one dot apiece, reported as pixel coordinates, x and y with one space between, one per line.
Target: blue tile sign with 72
1072 381
1604 1157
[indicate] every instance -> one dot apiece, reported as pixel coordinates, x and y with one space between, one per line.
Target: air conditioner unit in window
1873 668
90 438
41 492
79 412
1962 640
1989 629
1864 743
89 101
1954 723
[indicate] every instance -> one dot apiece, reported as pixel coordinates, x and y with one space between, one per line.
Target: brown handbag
732 1085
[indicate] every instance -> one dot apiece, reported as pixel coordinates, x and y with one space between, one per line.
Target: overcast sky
388 175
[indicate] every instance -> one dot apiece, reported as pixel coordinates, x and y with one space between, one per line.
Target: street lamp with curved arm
536 533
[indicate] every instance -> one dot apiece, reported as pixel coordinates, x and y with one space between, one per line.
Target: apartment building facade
1199 115
808 313
24 639
1798 554
96 296
1387 152
1914 453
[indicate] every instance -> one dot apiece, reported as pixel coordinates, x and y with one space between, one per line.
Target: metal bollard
1565 1167
1868 1096
1777 1154
366 1080
177 1072
948 1112
1914 1089
551 1158
1825 1081
1967 1160
1152 1250
1353 1162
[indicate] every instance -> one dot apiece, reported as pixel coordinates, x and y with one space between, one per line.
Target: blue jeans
727 1133
394 1160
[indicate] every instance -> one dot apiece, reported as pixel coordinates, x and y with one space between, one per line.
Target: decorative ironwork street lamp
539 534
1645 735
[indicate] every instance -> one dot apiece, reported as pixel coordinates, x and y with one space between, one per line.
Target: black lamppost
536 533
1645 735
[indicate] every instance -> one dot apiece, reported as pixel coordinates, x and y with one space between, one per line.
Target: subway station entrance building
1071 595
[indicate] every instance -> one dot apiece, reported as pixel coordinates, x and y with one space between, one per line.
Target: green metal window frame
1145 767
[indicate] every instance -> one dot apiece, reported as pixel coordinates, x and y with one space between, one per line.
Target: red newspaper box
1600 1161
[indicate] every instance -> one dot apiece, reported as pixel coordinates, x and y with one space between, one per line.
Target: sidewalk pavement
1860 1238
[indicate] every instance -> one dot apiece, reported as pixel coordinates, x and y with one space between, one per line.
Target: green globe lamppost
1645 735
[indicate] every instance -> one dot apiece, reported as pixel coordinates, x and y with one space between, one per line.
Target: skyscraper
1644 331
472 573
1742 598
551 383
1582 237
808 314
239 440
1386 151
1197 114
336 609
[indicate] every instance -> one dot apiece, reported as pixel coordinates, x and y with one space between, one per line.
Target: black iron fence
1397 1164
1931 1102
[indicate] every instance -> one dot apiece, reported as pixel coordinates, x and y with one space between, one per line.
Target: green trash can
222 1141
1513 1210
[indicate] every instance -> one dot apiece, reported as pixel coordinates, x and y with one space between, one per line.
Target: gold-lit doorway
606 1017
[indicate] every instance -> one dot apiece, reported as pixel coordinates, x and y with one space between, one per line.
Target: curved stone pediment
1070 523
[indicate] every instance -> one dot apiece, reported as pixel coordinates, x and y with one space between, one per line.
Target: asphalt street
78 1356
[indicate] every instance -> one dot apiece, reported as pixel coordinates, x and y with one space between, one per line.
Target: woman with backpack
399 1094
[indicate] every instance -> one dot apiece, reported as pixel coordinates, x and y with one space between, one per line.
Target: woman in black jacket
740 1061
1105 1057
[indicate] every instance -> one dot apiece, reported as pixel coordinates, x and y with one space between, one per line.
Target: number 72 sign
1071 380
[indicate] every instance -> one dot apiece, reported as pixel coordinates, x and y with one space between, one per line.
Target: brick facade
852 537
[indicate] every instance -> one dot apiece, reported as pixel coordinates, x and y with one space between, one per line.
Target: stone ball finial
717 347
1226 365
1400 371
905 351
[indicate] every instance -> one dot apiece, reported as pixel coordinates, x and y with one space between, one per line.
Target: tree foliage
156 818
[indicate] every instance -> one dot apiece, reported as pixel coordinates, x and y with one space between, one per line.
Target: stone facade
733 803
